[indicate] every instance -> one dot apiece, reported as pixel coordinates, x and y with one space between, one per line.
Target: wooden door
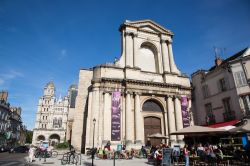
152 125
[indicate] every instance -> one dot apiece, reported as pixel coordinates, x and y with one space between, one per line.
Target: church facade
51 117
141 93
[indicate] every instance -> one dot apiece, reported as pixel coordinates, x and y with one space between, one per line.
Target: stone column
191 115
166 123
88 128
135 48
95 112
123 118
107 117
129 49
173 67
178 115
139 132
165 56
171 119
101 110
129 125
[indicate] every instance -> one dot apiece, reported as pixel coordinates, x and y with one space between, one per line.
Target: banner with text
116 116
184 111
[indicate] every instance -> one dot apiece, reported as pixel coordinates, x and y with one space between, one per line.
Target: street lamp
93 151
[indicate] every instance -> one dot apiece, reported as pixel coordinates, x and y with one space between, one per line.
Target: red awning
223 124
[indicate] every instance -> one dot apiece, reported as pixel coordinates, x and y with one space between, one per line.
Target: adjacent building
4 117
141 93
221 94
15 123
51 117
10 122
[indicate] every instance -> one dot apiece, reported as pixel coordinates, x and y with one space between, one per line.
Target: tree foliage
29 135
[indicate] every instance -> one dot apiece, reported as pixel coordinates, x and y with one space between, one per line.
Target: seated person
159 158
218 153
144 152
100 153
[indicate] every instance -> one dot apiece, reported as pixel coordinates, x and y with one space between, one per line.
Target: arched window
147 58
152 105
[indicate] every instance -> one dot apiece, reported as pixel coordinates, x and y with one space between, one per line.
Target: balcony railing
230 115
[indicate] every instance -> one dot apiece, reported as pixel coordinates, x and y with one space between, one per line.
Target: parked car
4 149
19 149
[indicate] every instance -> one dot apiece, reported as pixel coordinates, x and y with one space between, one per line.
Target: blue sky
50 40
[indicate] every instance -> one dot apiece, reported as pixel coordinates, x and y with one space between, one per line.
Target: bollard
114 158
80 158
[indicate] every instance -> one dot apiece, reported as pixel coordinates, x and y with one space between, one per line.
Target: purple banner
184 111
116 117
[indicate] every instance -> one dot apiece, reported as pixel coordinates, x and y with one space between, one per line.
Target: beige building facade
140 94
222 93
51 117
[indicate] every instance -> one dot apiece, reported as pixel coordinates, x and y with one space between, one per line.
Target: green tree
29 135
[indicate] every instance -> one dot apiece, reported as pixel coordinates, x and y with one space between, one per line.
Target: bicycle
53 153
70 158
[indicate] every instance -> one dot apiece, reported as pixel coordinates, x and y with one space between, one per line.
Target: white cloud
63 54
10 75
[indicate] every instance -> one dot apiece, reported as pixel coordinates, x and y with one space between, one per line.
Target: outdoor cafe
206 146
214 146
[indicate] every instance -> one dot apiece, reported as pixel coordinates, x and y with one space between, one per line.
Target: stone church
141 93
51 117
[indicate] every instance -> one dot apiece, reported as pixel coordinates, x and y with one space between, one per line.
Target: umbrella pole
194 140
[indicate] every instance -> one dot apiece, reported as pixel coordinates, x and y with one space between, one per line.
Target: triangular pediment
247 52
148 26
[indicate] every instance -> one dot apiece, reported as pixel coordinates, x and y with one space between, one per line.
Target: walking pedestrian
186 154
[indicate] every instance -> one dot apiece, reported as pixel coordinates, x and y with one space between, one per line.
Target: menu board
166 158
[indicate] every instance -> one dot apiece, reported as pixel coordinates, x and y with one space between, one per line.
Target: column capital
168 96
169 41
163 41
128 93
108 92
177 97
137 93
132 34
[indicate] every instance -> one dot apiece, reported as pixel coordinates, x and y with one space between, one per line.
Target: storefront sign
184 111
116 117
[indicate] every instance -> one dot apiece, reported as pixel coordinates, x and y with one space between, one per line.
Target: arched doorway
40 138
152 124
54 139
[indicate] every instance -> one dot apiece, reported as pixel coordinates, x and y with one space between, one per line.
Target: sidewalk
87 161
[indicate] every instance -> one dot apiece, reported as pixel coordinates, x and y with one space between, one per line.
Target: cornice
147 83
134 24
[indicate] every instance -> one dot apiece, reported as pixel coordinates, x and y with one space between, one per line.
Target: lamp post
94 120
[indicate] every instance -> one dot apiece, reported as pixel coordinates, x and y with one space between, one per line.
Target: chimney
218 61
4 95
